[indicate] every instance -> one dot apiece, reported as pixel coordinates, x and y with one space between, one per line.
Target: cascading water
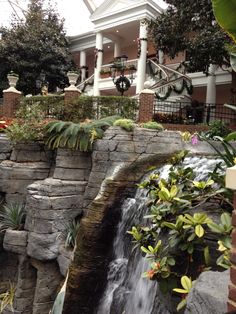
127 292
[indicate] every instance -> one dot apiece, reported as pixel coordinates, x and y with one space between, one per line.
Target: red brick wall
146 106
232 286
11 101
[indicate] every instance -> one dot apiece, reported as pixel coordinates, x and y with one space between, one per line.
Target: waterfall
127 292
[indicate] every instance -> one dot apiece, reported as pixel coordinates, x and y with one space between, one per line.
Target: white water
127 292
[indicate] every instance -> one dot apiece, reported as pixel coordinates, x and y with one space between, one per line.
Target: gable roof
112 7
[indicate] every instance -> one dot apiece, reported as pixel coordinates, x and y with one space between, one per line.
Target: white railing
128 64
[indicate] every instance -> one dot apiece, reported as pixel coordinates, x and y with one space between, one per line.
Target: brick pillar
11 100
146 105
231 184
71 93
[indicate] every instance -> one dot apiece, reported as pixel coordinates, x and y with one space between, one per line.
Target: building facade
121 28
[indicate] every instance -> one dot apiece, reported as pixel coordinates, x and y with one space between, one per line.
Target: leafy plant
12 216
71 233
76 135
7 298
28 125
126 124
152 125
176 214
217 128
187 285
229 152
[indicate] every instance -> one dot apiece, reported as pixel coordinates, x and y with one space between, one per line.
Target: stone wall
58 186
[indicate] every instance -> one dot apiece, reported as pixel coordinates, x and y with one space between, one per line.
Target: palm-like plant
71 232
12 216
77 135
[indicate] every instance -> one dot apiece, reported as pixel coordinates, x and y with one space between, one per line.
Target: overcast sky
74 12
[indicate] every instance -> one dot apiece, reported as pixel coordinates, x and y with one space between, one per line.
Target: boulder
209 294
15 241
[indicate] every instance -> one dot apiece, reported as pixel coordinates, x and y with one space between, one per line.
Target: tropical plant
187 285
71 232
7 298
152 125
76 135
175 238
12 216
126 124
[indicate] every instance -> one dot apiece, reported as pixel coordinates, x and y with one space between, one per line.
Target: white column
98 63
141 71
161 56
117 50
211 85
83 65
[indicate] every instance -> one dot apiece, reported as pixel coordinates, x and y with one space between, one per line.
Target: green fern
76 135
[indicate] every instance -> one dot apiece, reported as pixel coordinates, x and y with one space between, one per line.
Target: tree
189 25
36 48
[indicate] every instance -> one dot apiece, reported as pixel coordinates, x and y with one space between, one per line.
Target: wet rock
209 294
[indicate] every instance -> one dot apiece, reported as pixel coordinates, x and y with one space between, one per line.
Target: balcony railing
192 113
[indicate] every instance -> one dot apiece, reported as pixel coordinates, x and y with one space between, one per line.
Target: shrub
217 128
152 125
12 217
48 106
28 125
126 124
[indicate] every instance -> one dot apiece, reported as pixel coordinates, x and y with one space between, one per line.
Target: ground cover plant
176 234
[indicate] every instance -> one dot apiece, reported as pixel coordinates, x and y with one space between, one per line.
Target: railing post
231 184
146 105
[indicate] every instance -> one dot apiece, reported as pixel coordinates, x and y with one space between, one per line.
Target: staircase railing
89 81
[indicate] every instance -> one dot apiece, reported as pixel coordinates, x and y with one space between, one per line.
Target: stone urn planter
12 79
73 77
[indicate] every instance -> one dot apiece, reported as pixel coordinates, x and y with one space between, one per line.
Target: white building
120 28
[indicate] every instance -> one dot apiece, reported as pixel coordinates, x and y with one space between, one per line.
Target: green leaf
144 250
224 11
225 219
164 194
230 137
215 228
186 283
181 305
199 231
207 256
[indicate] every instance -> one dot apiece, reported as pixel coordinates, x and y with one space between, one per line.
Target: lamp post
122 83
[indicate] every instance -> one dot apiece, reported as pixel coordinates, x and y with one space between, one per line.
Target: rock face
57 187
209 294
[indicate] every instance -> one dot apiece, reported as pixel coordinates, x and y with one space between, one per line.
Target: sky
74 12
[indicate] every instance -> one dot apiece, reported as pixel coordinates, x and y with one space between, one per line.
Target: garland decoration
167 94
183 87
176 90
122 84
96 51
139 45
